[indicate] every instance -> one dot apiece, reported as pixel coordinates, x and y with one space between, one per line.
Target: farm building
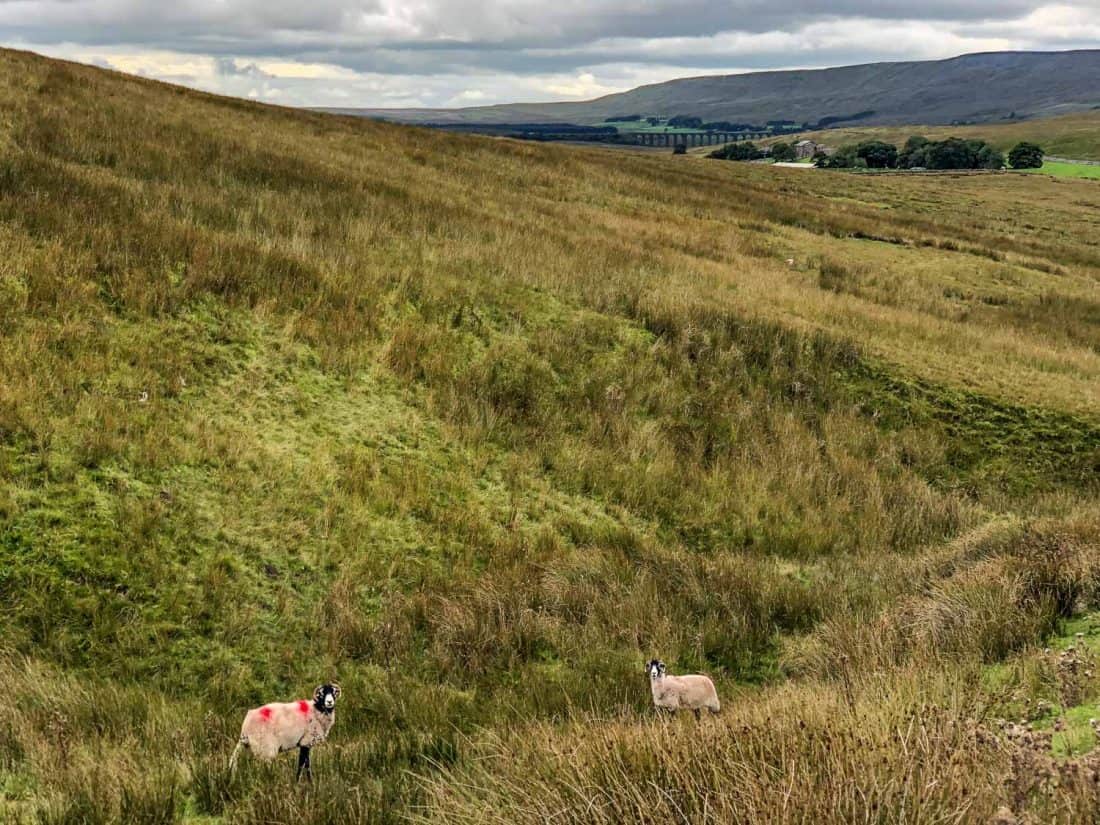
808 148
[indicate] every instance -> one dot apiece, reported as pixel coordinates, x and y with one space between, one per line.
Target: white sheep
283 726
671 693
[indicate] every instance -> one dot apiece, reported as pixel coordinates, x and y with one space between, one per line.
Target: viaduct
690 138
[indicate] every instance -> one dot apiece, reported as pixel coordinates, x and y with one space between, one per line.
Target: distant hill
971 88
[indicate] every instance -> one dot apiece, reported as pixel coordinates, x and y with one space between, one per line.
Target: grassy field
475 427
1068 170
1074 136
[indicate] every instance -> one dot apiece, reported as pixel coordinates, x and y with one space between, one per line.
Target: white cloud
580 87
1056 26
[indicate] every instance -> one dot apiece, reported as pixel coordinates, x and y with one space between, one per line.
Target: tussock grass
900 752
475 427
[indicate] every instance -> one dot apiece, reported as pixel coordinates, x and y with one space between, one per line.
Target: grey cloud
227 67
433 50
253 26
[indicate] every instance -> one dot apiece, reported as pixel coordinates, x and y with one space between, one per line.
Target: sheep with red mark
283 726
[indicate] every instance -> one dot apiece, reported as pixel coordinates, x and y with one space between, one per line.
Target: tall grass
475 427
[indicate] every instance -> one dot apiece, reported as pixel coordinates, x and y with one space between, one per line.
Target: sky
449 53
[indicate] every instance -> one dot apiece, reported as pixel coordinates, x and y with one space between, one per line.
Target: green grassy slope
474 427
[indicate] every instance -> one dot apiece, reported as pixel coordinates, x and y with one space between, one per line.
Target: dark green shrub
914 153
685 122
990 158
843 158
783 152
877 154
741 150
955 153
1025 155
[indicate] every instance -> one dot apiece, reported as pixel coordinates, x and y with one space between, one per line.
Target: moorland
476 427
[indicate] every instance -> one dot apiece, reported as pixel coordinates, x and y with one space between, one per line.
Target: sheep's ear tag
317 693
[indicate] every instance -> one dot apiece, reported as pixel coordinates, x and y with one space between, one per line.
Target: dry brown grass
908 749
474 427
896 723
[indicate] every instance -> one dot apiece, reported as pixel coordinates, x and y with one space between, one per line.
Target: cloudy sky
376 53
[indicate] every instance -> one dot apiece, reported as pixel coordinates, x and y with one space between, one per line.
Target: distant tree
820 157
990 158
914 153
653 121
843 158
1025 155
877 154
685 122
919 153
784 152
741 150
952 153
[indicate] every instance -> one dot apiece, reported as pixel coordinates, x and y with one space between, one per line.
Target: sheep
674 692
282 726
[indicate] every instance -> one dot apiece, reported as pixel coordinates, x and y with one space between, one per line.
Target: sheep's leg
303 762
698 714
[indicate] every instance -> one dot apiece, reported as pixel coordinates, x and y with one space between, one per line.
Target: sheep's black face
655 669
324 698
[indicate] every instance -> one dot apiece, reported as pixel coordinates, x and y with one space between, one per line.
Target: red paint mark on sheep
265 714
303 707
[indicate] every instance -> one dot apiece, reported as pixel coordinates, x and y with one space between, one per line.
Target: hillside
475 427
1069 136
972 88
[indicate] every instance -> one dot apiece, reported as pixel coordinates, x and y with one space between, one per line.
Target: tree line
921 153
918 153
747 150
